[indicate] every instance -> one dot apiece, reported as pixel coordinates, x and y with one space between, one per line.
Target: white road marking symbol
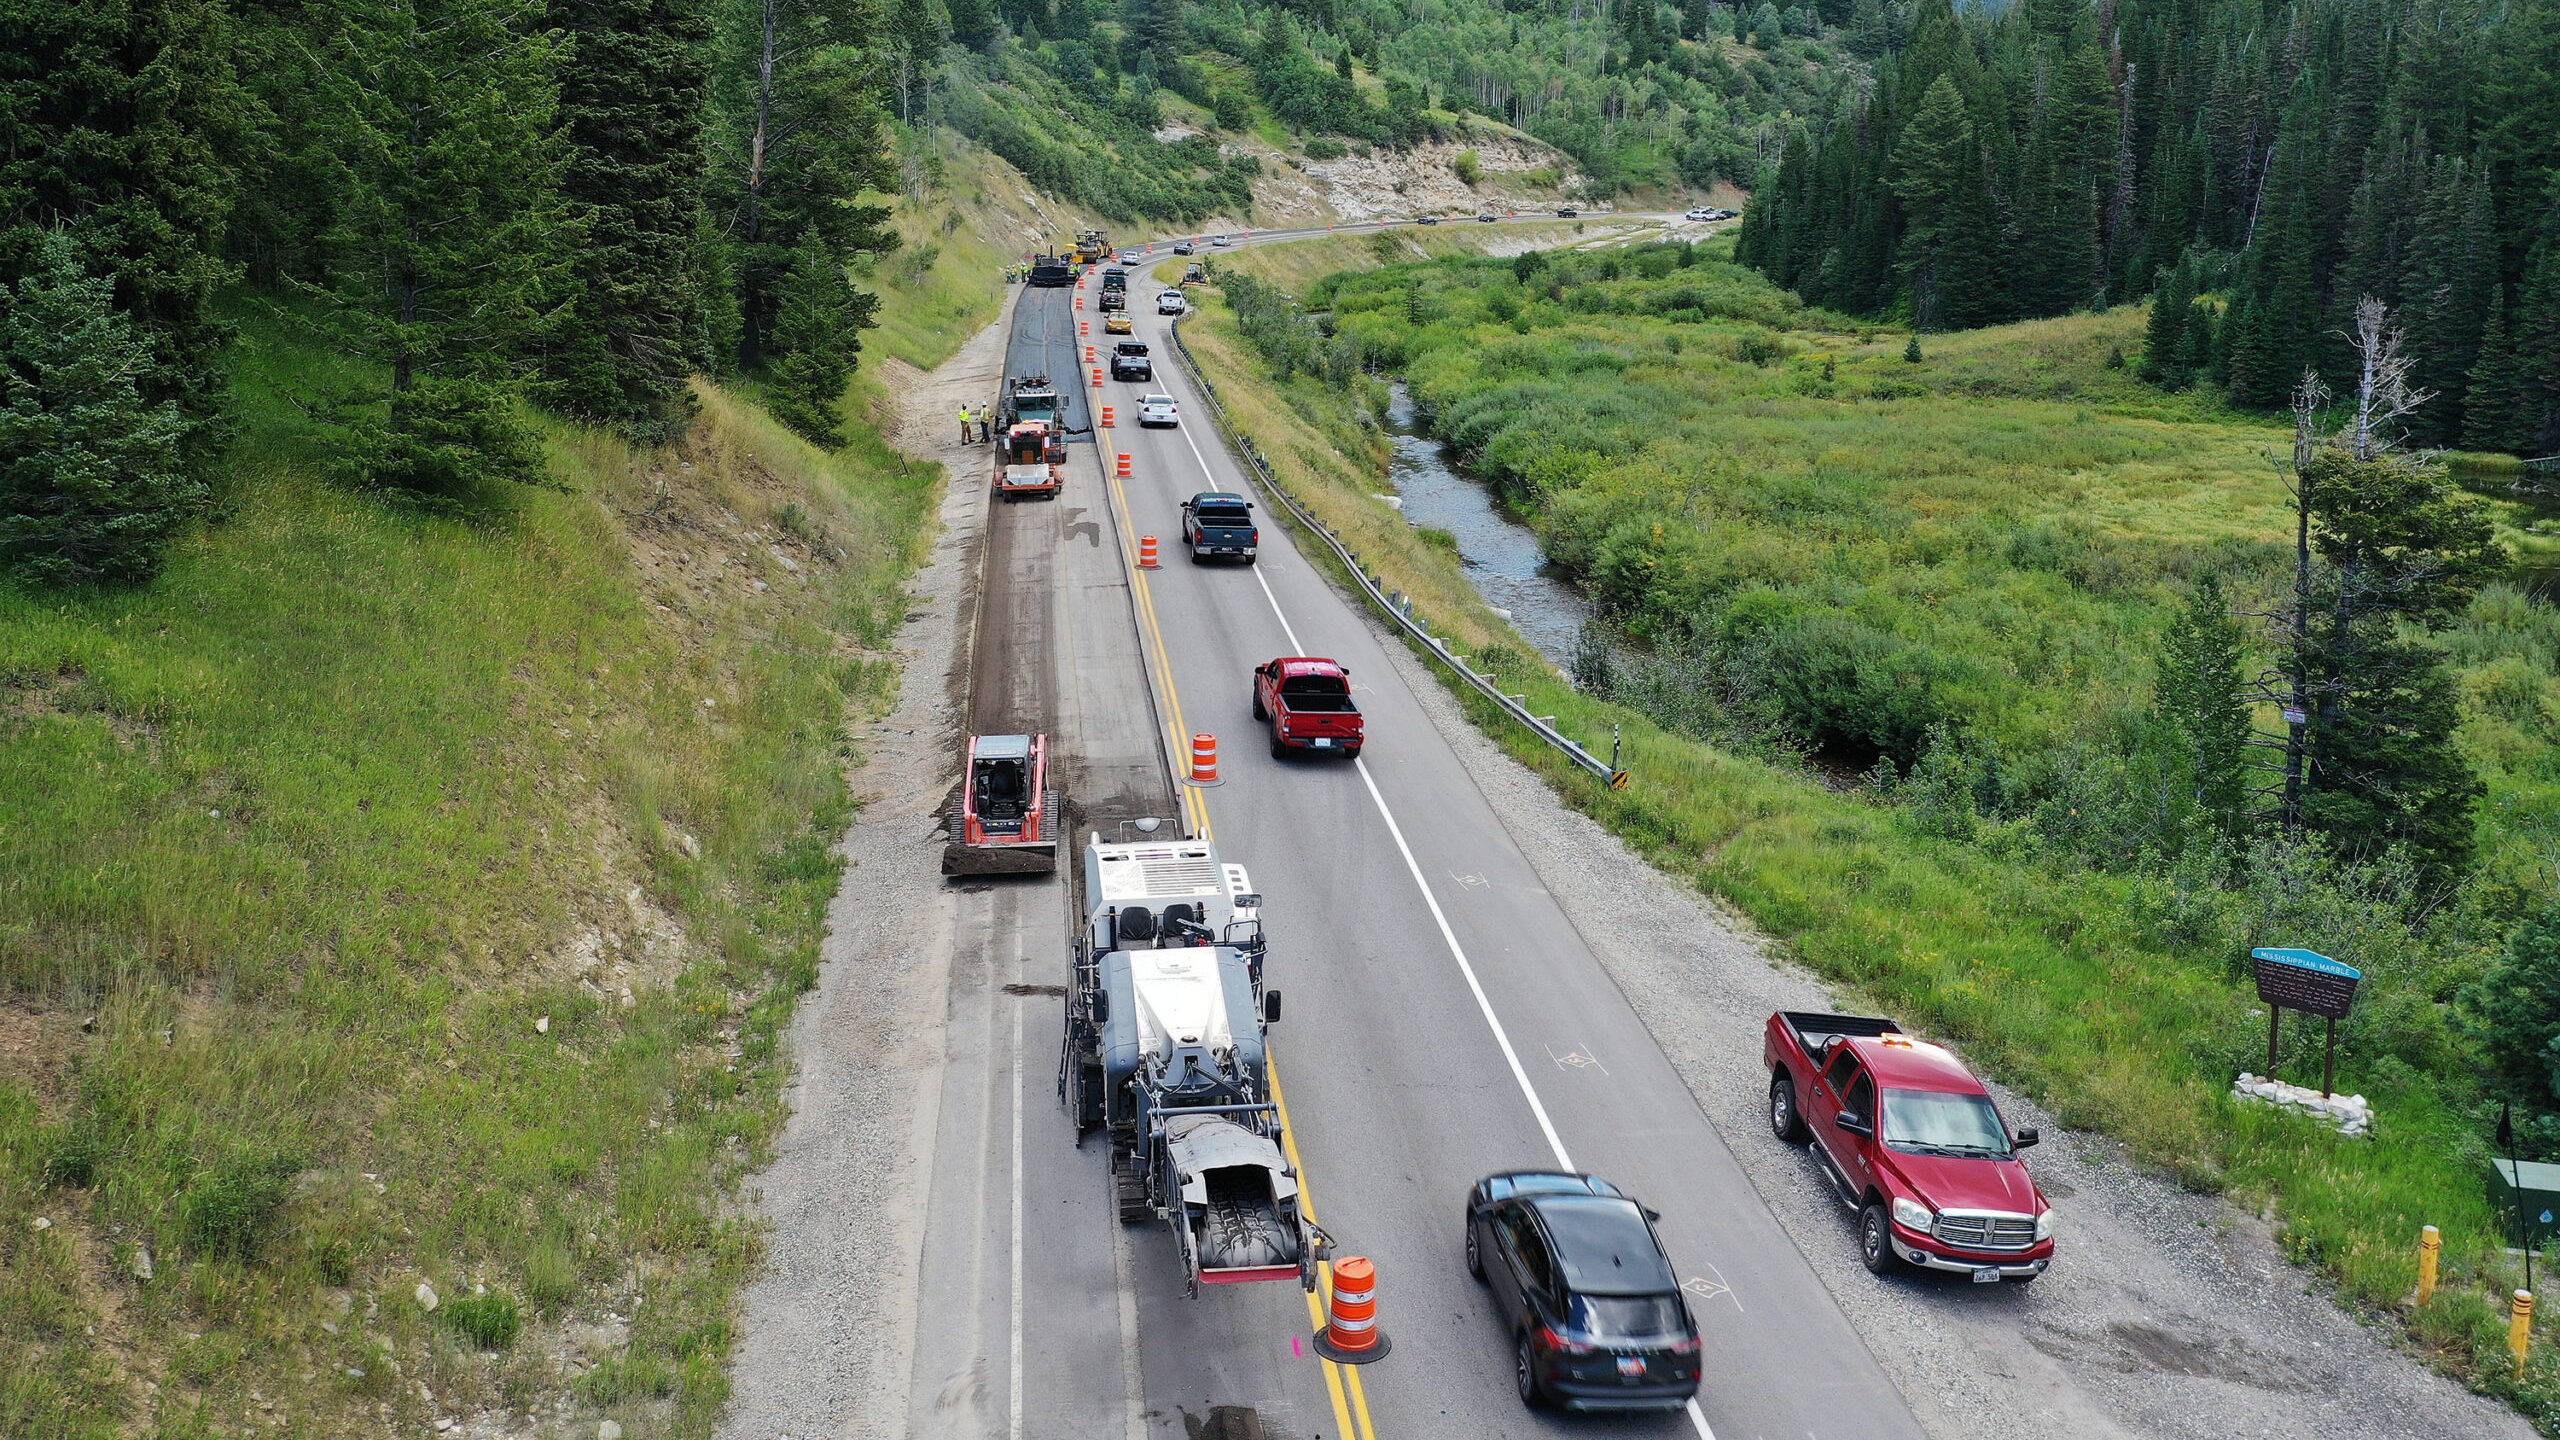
1580 1059
1706 1289
1471 882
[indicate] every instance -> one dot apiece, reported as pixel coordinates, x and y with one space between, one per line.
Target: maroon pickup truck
1308 703
1911 1141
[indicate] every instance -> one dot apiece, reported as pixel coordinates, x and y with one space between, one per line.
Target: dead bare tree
2383 392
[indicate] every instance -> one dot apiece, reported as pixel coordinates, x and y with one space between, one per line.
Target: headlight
2044 1226
1913 1215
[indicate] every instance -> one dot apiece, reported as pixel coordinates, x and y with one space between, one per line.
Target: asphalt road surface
1444 1020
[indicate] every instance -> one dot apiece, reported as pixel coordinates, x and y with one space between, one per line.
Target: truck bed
1813 1030
1316 704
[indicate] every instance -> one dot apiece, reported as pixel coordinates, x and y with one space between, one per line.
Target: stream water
1502 556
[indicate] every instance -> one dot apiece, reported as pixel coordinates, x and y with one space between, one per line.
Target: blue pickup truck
1218 525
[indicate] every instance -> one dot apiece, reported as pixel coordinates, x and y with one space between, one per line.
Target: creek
1501 556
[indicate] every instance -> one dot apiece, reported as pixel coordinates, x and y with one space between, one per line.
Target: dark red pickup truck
1308 704
1911 1141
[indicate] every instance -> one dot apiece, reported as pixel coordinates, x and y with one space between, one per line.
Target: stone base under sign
2349 1113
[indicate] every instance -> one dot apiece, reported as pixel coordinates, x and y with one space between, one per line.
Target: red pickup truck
1308 703
1911 1141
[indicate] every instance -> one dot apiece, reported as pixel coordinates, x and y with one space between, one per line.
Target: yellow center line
1342 1382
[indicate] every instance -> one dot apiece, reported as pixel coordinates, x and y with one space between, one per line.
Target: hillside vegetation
1890 635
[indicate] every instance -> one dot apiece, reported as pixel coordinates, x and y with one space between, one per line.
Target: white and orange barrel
1106 417
1351 1335
1097 379
1146 552
1124 470
1204 759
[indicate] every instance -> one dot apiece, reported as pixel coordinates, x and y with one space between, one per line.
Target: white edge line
1013 1328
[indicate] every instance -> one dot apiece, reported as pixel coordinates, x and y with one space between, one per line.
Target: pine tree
92 478
2489 395
818 335
634 84
2453 270
121 119
2200 698
2535 333
2164 339
452 236
796 141
1931 165
973 24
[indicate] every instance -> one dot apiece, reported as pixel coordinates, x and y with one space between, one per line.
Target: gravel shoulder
2166 1314
827 1338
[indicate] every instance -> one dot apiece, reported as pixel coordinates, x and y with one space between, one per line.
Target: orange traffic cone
1351 1335
1097 379
1124 465
1204 760
1146 552
1106 417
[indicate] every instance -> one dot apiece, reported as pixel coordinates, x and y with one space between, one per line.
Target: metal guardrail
1397 607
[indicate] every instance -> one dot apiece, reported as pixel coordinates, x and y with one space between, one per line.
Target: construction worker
964 424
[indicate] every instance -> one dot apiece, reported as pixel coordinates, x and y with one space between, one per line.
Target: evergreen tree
634 87
1932 164
2452 272
2515 1012
796 141
2535 336
451 236
973 24
818 335
2489 394
120 120
92 478
2201 699
2164 339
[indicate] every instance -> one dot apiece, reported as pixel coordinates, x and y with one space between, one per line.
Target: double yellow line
1342 1382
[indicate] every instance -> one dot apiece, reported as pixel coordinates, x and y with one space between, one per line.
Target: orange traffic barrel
1079 302
1097 379
1106 417
1204 759
1146 552
1351 1335
1088 354
1124 465
1084 327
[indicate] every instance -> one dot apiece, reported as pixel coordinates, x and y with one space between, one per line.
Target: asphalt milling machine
1164 1054
1007 820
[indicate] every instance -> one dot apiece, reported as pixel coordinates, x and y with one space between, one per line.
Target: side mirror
1854 1124
1652 1214
1270 1007
2026 1138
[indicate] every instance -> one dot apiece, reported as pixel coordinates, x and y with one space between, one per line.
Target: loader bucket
966 860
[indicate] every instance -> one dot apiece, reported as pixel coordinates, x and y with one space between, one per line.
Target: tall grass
2023 508
323 822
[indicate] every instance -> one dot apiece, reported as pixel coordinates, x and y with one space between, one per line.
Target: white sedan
1700 213
1169 303
1157 410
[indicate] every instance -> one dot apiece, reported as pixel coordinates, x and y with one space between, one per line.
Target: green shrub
488 1320
229 1207
1321 148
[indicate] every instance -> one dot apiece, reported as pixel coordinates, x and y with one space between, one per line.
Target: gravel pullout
2166 1313
827 1339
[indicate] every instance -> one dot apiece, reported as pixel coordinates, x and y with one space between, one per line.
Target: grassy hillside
392 898
1707 454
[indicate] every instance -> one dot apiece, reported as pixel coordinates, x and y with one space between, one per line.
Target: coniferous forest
476 203
2257 167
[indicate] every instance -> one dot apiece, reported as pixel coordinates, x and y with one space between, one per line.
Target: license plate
1323 744
1986 1275
1631 1365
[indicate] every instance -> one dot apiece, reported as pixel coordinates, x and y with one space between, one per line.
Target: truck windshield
1933 1122
1626 1317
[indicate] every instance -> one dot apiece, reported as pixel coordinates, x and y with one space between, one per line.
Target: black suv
1596 1317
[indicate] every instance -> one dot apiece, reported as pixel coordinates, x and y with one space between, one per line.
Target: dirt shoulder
827 1337
2167 1314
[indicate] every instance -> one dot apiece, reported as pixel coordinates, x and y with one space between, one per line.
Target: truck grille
1985 1230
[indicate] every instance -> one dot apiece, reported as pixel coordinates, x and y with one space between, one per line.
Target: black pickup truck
1129 361
1218 525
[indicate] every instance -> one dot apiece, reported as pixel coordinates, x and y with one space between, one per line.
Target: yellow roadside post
2520 1328
2429 1243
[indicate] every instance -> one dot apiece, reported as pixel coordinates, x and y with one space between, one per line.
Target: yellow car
1116 323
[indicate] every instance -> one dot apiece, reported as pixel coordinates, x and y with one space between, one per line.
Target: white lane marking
1501 1037
1013 1328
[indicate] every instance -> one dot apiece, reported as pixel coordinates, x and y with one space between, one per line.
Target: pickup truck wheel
1875 1240
1249 559
1350 752
1524 1374
1258 712
1784 1122
1278 750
